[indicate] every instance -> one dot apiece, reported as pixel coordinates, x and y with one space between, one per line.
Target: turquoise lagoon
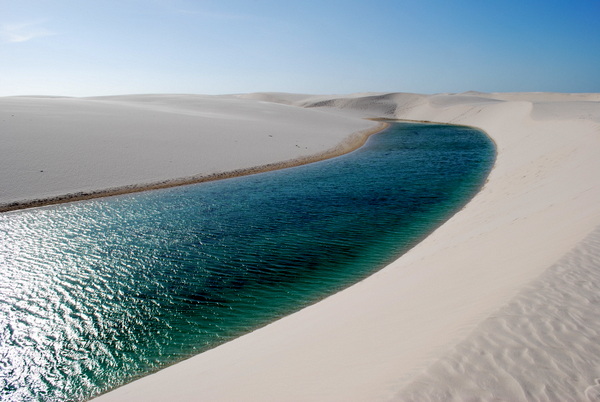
94 294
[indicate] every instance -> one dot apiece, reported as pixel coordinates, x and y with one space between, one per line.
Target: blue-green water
94 294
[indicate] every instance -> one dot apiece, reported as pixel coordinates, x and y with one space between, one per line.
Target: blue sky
104 47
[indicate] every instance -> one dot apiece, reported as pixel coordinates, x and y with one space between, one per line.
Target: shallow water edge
350 144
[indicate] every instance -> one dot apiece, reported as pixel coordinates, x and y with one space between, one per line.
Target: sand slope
543 345
484 291
52 147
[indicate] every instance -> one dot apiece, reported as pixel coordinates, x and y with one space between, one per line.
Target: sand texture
543 345
499 303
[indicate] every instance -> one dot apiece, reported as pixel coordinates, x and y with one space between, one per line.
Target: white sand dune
500 303
53 147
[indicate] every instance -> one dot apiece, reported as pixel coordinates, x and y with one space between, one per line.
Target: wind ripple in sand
543 346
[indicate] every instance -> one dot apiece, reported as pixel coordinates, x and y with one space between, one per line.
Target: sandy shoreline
404 333
56 150
354 142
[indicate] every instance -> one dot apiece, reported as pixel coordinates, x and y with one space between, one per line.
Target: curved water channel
94 294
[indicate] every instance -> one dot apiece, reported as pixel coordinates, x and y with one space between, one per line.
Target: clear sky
105 47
